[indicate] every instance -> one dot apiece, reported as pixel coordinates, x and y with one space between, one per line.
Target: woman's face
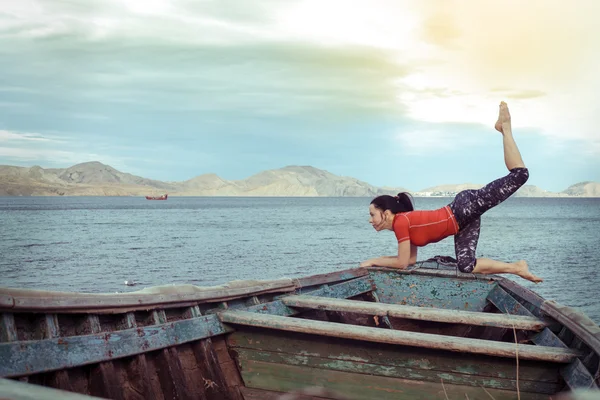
376 217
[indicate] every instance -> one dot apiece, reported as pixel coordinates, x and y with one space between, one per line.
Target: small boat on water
163 197
364 333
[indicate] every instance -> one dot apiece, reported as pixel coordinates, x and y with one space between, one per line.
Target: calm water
94 244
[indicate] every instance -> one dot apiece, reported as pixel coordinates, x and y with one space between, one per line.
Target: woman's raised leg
485 198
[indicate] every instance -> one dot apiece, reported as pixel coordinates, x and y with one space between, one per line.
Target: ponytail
402 202
405 202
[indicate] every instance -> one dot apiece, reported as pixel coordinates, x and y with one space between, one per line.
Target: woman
461 218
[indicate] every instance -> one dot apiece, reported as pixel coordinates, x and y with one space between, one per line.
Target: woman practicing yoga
461 218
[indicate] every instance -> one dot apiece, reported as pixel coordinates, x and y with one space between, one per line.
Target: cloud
435 139
424 141
211 68
87 116
59 158
9 136
547 73
519 94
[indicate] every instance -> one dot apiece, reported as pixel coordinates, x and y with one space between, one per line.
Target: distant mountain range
97 179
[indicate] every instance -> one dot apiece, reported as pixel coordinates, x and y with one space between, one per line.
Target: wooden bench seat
417 339
419 313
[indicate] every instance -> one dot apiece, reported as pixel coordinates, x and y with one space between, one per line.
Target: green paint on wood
417 374
298 344
430 291
355 386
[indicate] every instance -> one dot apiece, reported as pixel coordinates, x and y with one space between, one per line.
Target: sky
395 93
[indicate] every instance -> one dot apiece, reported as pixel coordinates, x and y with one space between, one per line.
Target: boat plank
8 329
548 338
60 379
34 300
412 312
415 374
423 291
457 344
104 380
330 277
284 378
29 357
213 381
342 290
299 344
140 371
527 295
579 324
506 303
170 372
8 332
576 376
171 376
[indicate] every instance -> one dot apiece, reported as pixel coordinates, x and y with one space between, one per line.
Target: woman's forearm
387 261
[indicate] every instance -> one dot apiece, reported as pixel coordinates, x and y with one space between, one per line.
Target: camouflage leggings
469 205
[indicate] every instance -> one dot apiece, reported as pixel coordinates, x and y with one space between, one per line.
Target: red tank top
425 226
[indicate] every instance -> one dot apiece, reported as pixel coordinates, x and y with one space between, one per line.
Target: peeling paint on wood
414 358
25 358
416 374
426 291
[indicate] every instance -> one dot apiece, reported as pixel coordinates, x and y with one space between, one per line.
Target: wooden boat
425 333
163 197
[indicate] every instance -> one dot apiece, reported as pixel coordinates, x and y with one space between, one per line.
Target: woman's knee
466 265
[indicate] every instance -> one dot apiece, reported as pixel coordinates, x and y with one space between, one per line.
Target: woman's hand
368 263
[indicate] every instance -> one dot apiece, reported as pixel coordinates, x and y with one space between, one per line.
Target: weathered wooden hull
356 334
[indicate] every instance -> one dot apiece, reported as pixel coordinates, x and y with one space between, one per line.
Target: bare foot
503 118
524 273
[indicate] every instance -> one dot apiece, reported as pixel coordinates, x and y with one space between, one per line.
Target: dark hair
402 202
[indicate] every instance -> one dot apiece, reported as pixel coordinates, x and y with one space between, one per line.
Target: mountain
307 181
95 172
584 189
534 191
97 179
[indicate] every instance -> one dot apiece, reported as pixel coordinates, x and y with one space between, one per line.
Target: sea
95 244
